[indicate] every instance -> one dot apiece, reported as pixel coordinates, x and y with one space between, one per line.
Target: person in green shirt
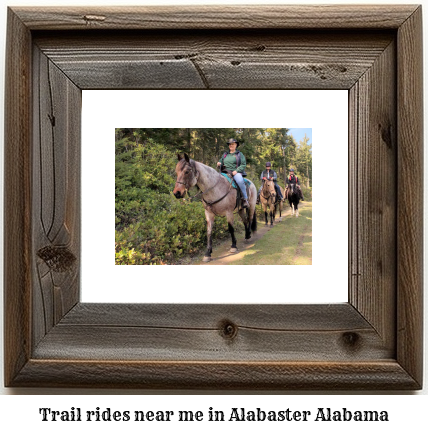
234 161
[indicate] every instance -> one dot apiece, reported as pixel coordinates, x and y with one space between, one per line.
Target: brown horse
267 199
218 198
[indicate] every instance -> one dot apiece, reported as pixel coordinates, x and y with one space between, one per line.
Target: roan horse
267 199
218 198
293 199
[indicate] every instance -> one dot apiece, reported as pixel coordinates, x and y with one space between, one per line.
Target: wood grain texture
56 194
386 375
373 193
340 317
217 17
216 59
17 199
198 332
410 196
372 342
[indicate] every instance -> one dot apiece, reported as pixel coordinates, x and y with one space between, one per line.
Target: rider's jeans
240 181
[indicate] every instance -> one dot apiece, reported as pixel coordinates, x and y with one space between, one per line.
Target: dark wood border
372 342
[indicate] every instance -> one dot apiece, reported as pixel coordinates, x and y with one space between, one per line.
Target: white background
325 281
408 413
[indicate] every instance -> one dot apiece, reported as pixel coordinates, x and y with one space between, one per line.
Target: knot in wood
351 340
386 134
58 259
227 329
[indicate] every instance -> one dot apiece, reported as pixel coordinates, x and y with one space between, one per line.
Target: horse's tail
254 222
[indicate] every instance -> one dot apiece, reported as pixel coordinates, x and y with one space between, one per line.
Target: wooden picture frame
372 342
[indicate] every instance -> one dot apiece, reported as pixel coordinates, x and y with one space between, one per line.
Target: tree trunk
189 142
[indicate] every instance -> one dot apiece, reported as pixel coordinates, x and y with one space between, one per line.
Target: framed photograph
181 224
371 341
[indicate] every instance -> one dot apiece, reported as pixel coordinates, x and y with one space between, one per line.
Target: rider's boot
244 203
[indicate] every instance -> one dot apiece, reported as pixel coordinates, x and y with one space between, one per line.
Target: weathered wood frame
372 342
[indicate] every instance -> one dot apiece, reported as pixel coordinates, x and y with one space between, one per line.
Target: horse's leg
297 208
210 220
229 217
233 247
245 216
266 214
274 211
253 217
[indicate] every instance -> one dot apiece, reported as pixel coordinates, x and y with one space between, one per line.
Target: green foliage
144 177
304 161
307 193
167 236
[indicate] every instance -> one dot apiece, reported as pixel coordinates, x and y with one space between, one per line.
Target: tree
304 160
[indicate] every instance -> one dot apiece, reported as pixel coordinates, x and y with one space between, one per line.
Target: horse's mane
209 168
192 162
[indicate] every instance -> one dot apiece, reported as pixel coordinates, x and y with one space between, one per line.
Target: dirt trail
221 254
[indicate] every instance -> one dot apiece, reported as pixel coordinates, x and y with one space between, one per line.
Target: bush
143 181
168 236
307 193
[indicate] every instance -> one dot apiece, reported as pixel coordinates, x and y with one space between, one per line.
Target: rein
196 174
218 200
266 197
206 191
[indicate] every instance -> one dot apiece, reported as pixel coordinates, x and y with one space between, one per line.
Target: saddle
229 176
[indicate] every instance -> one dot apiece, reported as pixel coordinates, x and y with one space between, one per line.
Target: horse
267 199
293 199
218 198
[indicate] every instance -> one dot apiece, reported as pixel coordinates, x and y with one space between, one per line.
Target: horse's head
187 176
269 189
292 189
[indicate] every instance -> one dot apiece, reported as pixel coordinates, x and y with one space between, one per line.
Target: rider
235 162
293 179
269 175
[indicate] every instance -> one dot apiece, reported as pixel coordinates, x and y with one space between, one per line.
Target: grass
287 243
